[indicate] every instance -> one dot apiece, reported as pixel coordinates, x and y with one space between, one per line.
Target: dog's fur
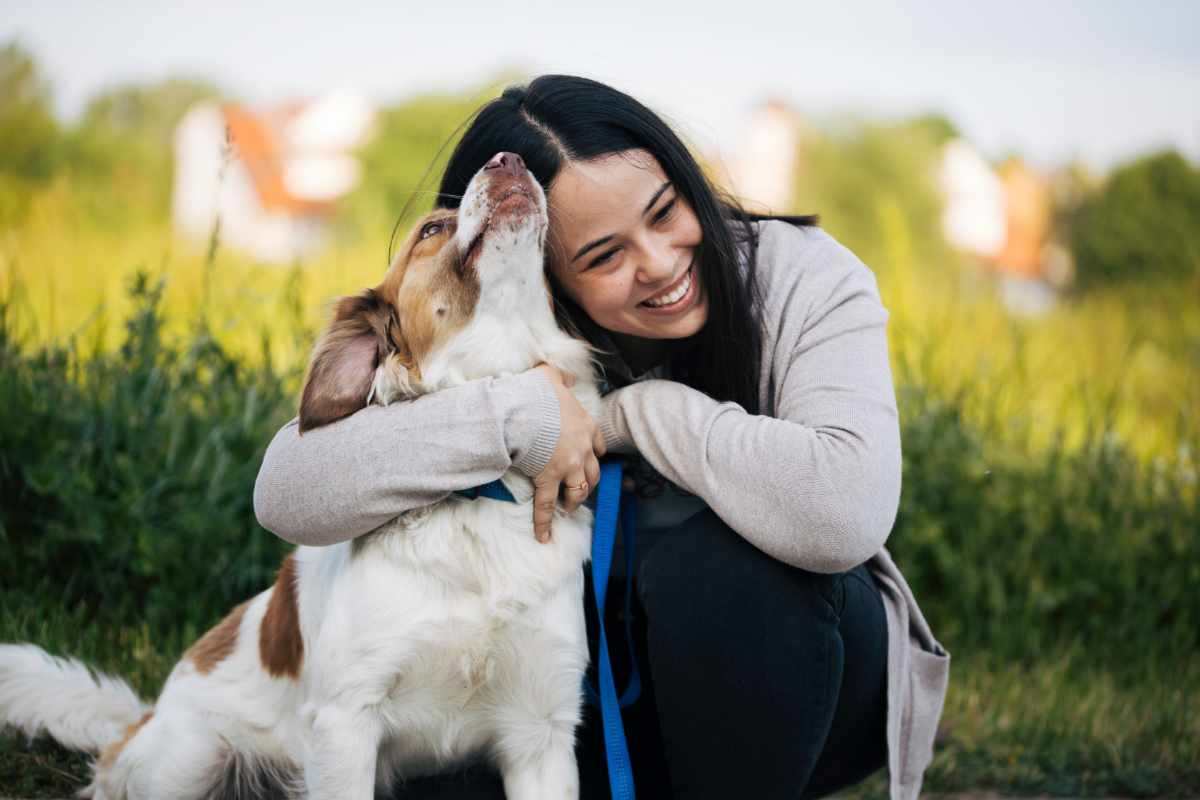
447 635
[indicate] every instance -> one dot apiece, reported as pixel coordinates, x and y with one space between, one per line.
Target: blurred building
1004 217
973 211
763 172
1028 211
266 182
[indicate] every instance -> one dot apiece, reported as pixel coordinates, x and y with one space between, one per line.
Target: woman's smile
677 297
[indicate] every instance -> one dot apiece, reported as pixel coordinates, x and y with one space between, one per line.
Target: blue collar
496 490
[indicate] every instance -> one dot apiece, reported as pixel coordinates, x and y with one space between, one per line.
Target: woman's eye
665 212
603 259
432 229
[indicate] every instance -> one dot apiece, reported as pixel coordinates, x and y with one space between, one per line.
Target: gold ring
583 487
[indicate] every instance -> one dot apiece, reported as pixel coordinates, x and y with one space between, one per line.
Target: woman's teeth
675 296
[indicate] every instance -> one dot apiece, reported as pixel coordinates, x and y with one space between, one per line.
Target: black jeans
759 679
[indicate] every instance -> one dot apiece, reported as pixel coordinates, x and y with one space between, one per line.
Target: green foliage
125 478
30 141
146 112
873 184
1015 555
1143 225
29 145
118 158
121 154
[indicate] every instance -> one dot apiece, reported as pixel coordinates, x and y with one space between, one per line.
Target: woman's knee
758 640
704 568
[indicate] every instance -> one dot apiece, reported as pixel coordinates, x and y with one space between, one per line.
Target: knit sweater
813 480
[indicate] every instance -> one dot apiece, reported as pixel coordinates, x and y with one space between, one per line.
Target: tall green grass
1015 555
125 474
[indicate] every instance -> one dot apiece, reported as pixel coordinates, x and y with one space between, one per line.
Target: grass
1063 726
1059 727
1115 363
40 769
1056 726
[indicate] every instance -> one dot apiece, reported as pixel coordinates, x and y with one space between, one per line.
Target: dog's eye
432 229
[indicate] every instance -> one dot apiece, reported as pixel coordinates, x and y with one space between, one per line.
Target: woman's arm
347 478
818 485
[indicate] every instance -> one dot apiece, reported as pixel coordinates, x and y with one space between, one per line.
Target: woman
782 652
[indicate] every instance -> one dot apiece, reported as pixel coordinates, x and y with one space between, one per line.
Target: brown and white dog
448 634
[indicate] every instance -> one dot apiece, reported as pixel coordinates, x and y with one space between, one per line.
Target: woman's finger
545 497
592 471
575 490
598 444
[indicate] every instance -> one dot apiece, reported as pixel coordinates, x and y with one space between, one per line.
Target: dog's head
458 302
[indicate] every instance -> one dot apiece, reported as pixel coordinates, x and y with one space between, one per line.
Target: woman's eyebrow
591 246
654 199
604 239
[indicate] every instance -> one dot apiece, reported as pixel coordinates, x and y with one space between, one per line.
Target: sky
1100 81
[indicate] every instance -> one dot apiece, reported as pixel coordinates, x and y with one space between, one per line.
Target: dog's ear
363 333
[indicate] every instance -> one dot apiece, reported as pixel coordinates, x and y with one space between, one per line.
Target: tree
873 183
133 125
1143 225
29 135
147 112
121 150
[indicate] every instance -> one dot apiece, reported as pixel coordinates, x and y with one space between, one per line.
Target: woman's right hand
575 464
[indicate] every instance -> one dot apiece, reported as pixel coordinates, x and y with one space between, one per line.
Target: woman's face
623 246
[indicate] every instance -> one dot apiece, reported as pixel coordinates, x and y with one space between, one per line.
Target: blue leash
604 536
608 508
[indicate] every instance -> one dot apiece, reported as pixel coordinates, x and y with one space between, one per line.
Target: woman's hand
575 464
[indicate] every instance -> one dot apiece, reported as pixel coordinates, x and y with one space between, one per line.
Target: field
1049 522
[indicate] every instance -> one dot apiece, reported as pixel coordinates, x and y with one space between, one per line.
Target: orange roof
1029 210
257 145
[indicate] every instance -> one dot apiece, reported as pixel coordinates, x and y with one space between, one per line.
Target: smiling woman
746 362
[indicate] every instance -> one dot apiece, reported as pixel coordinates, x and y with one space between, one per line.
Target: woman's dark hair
560 118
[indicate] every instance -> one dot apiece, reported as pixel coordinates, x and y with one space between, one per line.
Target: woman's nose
657 263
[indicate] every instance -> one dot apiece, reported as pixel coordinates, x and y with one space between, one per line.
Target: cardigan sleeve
816 483
347 478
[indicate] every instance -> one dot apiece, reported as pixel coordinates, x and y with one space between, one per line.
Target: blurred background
183 191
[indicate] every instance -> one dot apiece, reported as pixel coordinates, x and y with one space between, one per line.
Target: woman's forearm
348 478
819 497
817 483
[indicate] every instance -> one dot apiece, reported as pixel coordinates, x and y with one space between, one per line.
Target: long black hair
561 118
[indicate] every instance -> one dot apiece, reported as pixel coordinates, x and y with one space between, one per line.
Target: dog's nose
508 163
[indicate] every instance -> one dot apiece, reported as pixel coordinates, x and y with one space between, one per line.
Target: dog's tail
80 708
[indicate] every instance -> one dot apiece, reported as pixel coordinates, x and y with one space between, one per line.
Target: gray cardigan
814 480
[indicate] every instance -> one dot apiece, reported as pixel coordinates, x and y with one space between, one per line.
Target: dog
447 635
